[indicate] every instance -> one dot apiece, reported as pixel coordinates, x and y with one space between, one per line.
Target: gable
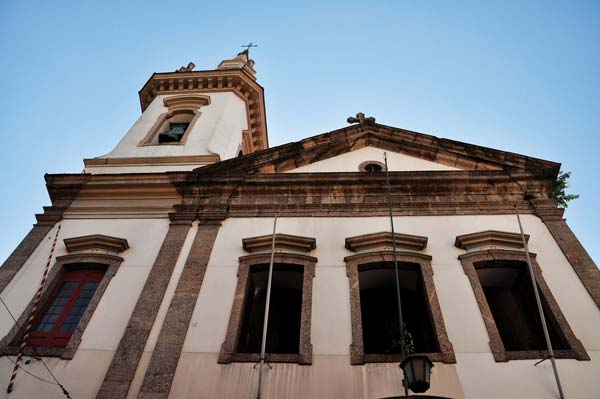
352 161
434 152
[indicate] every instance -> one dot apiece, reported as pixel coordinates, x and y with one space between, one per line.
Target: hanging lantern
417 372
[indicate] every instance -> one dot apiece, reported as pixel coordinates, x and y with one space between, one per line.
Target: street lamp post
416 368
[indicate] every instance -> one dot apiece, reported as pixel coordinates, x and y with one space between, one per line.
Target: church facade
154 262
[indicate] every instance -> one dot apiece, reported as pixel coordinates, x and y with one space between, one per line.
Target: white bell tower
191 119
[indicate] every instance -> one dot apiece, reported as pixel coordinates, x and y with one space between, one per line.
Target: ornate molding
186 101
490 239
239 81
383 241
95 242
283 243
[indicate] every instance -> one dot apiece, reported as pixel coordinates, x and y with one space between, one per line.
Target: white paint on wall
198 373
218 130
350 162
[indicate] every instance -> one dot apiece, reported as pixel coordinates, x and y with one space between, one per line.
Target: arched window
175 125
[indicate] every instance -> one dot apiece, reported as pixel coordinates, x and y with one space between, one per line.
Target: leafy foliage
560 186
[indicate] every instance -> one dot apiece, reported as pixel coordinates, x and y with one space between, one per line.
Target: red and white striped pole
36 301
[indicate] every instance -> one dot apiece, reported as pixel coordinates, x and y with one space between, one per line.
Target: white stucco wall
476 374
350 161
83 374
218 130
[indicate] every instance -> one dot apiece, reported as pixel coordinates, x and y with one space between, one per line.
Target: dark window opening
285 313
373 167
509 294
379 308
64 308
175 132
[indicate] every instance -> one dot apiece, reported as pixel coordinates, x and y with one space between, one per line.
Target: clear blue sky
520 76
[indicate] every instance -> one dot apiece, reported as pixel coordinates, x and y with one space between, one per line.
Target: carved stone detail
283 242
96 242
490 238
383 240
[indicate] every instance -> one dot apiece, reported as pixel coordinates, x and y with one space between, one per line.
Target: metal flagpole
263 345
540 309
389 201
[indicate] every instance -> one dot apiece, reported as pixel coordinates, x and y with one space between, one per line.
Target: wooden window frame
229 347
469 262
357 353
53 337
10 344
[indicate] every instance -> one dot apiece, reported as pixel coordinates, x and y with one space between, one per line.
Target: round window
371 167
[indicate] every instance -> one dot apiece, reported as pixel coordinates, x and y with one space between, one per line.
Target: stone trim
179 104
10 344
490 238
19 256
237 81
469 261
169 160
127 356
283 242
162 118
95 242
357 354
382 240
228 352
580 260
163 364
186 101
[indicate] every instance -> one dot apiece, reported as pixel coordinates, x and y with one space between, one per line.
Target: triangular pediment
361 159
410 151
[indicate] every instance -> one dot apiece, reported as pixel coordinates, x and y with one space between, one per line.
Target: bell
174 134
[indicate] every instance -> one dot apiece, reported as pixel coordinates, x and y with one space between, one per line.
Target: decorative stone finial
360 118
241 61
190 67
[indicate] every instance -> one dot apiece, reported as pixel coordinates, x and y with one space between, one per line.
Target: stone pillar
127 356
163 364
580 260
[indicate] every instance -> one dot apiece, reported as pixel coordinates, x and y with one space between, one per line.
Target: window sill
46 351
397 358
538 355
269 358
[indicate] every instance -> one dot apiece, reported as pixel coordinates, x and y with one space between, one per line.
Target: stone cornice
448 152
318 194
283 242
383 240
238 81
490 238
94 242
171 160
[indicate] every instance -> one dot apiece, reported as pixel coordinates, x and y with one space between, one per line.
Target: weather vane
249 45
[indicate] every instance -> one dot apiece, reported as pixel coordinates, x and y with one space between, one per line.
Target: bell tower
190 119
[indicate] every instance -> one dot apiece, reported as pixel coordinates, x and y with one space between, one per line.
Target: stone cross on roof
360 118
